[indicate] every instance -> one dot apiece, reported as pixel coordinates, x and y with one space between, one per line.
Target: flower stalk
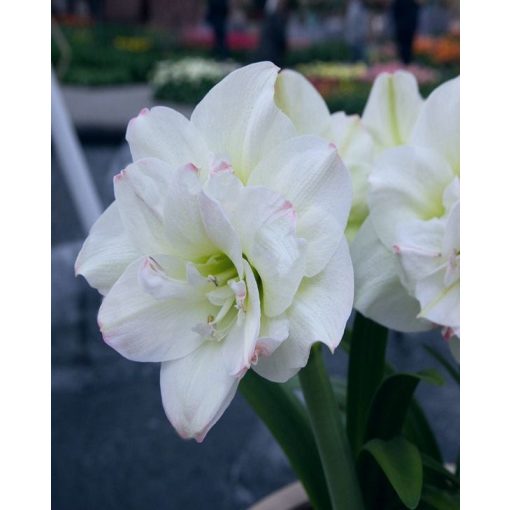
330 436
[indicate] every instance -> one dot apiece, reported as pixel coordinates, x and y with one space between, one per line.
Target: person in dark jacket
273 32
217 14
405 18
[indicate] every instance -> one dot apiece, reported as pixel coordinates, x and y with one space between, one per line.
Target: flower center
228 296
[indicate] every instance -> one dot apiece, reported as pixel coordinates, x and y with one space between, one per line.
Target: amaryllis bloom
224 247
387 121
407 253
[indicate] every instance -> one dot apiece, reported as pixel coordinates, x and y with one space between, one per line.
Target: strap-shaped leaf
339 389
448 365
401 463
332 443
367 350
437 475
391 402
437 499
417 429
286 418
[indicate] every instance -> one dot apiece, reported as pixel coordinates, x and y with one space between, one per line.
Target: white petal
380 295
452 230
406 183
280 262
239 345
226 188
267 225
220 230
451 194
319 313
438 126
352 139
392 108
418 247
106 252
182 218
308 172
239 117
323 234
143 328
140 194
302 103
273 331
196 390
439 304
164 277
165 134
359 210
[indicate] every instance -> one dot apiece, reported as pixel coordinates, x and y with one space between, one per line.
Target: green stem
286 418
366 371
330 436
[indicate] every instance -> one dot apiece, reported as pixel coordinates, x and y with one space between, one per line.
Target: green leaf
445 363
389 411
340 392
437 475
390 405
367 350
436 499
401 463
286 418
417 429
330 437
339 389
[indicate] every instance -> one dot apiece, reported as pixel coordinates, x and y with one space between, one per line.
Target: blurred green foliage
107 54
110 54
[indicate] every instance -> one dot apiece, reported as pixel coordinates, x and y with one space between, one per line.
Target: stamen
223 311
239 289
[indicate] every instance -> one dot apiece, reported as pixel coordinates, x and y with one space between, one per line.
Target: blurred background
112 447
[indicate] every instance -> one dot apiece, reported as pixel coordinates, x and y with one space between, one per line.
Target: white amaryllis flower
224 248
407 253
387 121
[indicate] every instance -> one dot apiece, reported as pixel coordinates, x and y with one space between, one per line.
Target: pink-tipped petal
196 390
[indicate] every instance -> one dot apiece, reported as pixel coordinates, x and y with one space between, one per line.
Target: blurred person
217 15
405 19
273 32
356 29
